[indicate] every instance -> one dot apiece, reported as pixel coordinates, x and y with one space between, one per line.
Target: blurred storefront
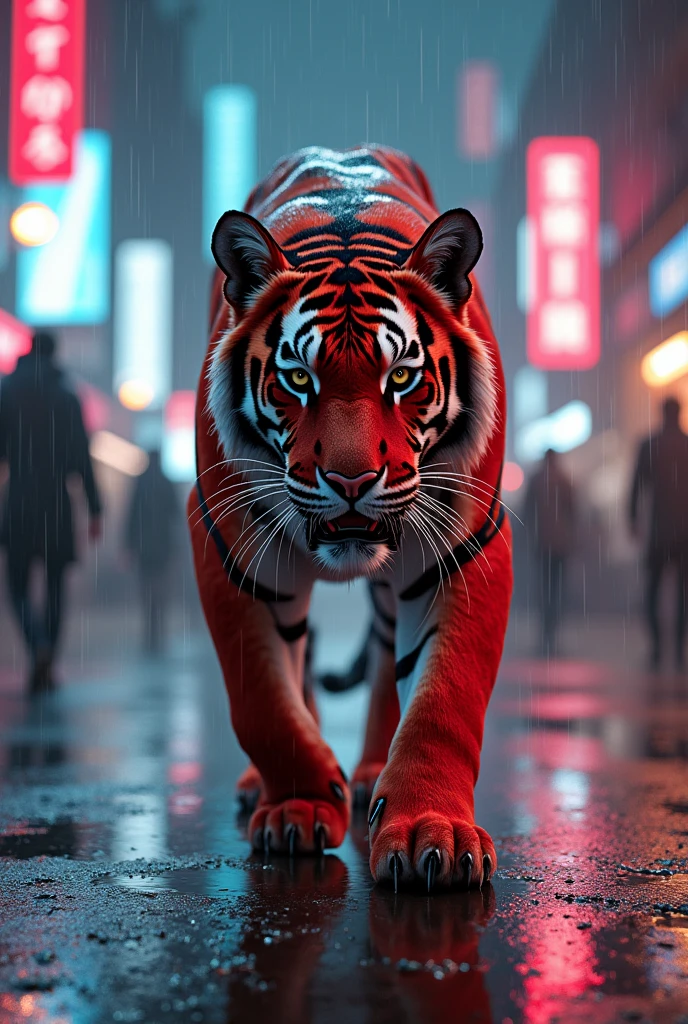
616 73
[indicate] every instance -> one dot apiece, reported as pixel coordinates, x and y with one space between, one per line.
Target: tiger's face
350 380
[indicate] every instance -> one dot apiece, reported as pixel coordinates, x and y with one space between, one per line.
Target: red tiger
351 422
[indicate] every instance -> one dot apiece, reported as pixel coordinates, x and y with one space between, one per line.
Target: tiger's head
349 377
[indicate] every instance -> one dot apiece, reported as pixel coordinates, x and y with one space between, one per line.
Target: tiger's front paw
435 844
300 825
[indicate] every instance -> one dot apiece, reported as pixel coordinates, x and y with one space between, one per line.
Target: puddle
227 881
218 882
62 838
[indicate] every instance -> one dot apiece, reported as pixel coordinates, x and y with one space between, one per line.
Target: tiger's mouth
352 526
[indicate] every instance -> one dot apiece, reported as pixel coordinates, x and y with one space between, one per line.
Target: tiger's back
368 203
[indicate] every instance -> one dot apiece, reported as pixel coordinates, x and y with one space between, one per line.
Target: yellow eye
401 375
299 378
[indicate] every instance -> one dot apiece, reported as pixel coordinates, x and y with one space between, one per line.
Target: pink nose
351 487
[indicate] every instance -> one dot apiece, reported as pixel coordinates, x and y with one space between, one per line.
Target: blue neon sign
668 275
67 281
230 161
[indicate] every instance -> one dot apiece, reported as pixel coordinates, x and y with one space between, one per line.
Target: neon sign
46 92
668 275
563 324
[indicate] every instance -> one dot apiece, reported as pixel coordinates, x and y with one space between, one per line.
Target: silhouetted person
551 523
661 472
151 540
43 439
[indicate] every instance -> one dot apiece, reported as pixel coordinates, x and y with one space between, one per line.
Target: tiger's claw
432 863
397 869
467 867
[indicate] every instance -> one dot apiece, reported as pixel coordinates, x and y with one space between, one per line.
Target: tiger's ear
247 253
447 252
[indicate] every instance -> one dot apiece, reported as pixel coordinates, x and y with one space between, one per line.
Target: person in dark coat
661 473
43 440
151 541
550 514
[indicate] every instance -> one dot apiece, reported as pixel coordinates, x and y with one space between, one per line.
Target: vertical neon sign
563 209
143 327
477 100
230 153
47 86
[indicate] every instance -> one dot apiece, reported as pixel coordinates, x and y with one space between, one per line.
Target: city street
129 893
393 294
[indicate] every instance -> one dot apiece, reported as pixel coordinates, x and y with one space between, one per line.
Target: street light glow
34 224
135 394
667 362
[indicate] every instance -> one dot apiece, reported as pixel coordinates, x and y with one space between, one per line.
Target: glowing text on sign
563 326
46 96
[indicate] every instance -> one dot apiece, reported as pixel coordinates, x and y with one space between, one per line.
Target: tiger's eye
300 378
400 375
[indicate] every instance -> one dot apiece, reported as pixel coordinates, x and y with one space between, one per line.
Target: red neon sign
46 94
563 206
477 100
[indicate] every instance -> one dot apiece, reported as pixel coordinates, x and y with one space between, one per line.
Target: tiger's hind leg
383 709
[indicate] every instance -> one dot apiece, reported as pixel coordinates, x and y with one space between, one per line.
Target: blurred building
618 73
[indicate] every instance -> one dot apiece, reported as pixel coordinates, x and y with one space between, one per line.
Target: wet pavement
127 891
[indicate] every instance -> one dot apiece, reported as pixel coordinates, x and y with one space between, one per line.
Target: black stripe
292 633
388 620
244 583
405 666
382 640
462 553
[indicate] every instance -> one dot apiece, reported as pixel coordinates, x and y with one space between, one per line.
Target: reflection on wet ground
128 892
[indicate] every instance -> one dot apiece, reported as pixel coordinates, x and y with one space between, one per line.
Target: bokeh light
512 476
135 394
34 224
118 453
667 362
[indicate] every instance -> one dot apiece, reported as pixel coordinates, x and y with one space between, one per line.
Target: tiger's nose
351 487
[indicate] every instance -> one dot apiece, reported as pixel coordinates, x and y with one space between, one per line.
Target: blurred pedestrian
151 541
661 474
43 440
551 523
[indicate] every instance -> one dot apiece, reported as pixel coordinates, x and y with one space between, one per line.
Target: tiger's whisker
475 550
432 519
